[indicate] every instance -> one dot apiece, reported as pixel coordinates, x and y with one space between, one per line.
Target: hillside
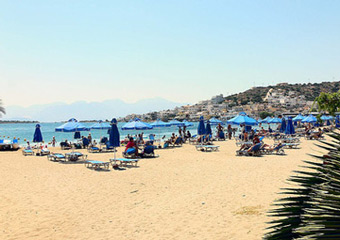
309 90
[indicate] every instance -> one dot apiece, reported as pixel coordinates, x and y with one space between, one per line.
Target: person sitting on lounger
148 149
172 138
316 135
271 147
188 135
131 145
256 140
28 146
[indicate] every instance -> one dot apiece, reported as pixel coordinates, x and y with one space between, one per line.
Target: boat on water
9 145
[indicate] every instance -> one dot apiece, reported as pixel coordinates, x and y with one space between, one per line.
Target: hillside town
276 101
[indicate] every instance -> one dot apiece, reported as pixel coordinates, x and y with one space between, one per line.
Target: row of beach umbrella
72 125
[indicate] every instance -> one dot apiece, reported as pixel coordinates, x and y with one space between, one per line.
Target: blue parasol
275 120
309 119
100 125
114 138
175 122
201 128
71 126
37 137
215 121
136 125
283 125
242 119
187 123
290 128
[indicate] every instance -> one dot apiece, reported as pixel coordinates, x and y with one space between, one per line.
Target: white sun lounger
97 164
207 148
26 152
124 161
56 157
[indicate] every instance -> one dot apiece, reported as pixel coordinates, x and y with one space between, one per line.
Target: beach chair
108 148
130 153
207 148
151 138
278 149
75 156
43 152
221 136
96 165
56 157
124 162
193 140
291 145
26 152
178 142
253 151
148 152
94 150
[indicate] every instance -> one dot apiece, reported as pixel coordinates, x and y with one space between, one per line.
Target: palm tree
311 210
2 109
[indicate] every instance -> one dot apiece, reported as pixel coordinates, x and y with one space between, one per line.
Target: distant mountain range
82 110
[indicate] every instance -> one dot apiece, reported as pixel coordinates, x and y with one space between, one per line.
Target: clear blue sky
183 51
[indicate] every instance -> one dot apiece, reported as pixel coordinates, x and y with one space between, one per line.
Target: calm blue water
26 131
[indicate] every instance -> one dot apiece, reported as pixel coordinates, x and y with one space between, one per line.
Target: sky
183 51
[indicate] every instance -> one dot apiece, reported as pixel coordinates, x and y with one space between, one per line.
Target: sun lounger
97 164
253 151
94 150
291 145
148 152
177 143
43 152
75 156
124 162
207 148
278 149
108 148
130 153
26 152
56 157
288 140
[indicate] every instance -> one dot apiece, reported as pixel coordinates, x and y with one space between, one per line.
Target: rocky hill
309 90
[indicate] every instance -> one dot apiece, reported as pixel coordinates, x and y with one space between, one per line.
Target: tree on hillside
2 109
263 115
328 102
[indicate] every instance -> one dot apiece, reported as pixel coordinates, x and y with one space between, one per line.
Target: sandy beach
183 194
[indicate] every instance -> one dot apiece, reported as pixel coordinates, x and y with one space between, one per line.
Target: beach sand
183 194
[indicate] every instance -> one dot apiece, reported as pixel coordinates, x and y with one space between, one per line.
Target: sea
25 131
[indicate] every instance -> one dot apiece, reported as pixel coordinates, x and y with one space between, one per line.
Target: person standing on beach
53 141
230 131
89 138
